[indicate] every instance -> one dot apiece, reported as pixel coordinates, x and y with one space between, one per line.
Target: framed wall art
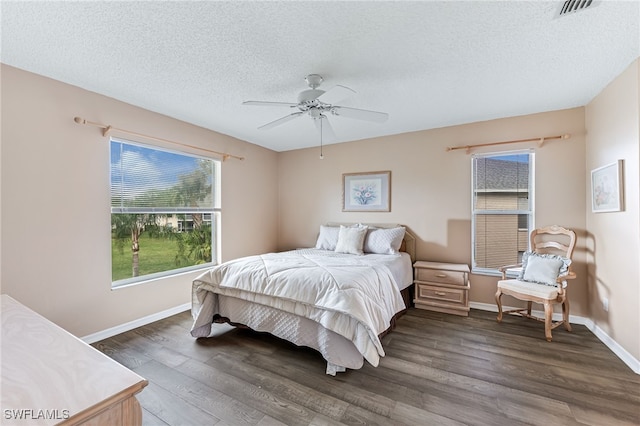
368 191
607 188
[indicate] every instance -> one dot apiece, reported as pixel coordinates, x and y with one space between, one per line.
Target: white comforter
344 293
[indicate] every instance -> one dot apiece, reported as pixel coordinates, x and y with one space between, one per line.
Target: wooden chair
551 250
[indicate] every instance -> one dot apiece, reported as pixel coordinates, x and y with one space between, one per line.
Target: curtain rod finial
80 120
566 136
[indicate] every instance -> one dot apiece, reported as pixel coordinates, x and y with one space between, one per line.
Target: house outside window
502 203
165 212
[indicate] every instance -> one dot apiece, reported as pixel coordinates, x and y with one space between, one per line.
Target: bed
339 297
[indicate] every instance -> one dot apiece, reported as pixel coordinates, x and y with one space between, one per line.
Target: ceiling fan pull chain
321 156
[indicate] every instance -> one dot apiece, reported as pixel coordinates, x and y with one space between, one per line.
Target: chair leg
565 314
548 316
529 308
499 303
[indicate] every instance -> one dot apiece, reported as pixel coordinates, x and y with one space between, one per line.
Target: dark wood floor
439 370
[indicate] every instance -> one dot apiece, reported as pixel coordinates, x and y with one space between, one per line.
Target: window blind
502 206
150 180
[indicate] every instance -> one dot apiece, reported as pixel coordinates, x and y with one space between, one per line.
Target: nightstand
442 287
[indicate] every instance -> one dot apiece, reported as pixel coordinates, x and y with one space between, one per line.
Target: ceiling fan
318 104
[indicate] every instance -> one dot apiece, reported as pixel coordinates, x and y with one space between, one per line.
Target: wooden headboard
408 243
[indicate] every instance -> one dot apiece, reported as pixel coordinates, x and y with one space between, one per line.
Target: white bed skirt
339 352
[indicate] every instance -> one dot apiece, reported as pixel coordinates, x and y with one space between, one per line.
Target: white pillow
328 238
543 268
351 239
384 241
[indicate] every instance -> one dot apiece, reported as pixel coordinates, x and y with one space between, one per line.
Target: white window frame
216 213
476 212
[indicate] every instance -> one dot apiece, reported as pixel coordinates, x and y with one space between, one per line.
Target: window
165 212
502 209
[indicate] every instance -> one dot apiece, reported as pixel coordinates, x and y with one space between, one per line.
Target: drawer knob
441 275
440 293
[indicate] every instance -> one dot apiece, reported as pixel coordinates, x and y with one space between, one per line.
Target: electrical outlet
605 304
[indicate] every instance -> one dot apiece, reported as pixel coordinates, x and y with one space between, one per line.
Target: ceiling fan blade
325 129
267 103
336 94
280 121
360 114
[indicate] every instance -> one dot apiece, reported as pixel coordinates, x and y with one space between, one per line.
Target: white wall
56 247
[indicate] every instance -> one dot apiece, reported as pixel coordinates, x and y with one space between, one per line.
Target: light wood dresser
442 287
51 377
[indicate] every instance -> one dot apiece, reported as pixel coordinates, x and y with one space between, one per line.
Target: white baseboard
619 351
110 332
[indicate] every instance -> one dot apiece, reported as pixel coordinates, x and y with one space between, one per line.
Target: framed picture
606 188
368 192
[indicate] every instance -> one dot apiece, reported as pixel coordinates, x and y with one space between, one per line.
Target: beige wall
613 133
55 250
431 188
55 203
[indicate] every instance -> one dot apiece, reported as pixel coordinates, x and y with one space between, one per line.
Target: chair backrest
553 240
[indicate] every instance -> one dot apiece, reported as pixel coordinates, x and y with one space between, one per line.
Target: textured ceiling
428 64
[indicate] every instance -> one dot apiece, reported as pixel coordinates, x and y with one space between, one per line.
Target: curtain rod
107 128
540 141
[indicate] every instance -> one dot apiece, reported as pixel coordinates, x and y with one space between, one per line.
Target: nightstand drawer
440 276
440 294
442 287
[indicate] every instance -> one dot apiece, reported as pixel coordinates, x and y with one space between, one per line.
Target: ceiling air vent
571 6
